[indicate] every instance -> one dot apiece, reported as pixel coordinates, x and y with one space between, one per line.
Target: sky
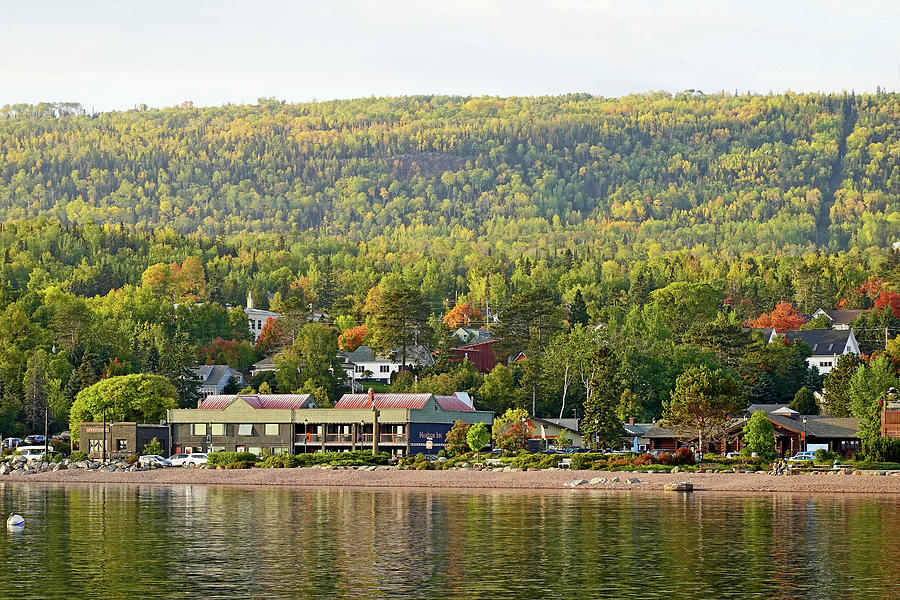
116 55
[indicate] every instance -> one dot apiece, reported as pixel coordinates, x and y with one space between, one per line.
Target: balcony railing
365 439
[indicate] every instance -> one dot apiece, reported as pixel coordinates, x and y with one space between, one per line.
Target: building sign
421 434
95 429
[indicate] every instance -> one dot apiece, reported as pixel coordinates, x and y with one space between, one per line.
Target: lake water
108 541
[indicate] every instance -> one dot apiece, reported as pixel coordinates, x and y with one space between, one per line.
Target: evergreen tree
578 311
804 402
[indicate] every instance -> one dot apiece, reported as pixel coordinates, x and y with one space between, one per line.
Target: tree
35 390
784 317
478 437
498 392
867 388
578 314
399 313
456 438
136 398
600 423
152 447
232 387
836 388
512 429
177 365
759 436
804 402
462 315
312 357
353 337
703 402
678 306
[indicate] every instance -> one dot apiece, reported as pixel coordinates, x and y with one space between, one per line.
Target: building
826 344
840 319
256 318
277 423
890 414
238 423
121 439
263 366
793 432
481 355
214 378
469 335
546 431
363 363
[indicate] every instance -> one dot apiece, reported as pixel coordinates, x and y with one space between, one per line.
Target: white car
153 459
35 452
189 460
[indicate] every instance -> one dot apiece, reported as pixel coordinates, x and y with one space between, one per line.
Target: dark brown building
121 439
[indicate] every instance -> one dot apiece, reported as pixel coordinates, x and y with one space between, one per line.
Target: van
802 456
34 452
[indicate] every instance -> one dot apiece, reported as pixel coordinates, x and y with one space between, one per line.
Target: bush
281 461
885 449
683 456
241 464
52 458
152 447
642 460
227 458
665 458
586 460
78 456
61 447
823 455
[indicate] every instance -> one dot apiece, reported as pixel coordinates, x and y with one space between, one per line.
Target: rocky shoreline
90 472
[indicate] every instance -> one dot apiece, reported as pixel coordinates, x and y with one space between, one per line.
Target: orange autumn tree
889 300
462 315
784 317
352 338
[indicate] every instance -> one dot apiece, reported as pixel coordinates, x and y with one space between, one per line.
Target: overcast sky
115 55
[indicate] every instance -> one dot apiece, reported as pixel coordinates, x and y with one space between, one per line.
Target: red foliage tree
462 315
783 317
353 338
272 335
889 300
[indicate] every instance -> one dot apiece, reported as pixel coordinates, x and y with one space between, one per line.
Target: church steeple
249 299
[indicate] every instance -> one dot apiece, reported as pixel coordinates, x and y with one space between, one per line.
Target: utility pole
46 430
374 422
104 434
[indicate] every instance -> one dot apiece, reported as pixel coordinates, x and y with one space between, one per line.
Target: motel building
292 423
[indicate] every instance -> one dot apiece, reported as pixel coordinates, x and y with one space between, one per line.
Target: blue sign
419 433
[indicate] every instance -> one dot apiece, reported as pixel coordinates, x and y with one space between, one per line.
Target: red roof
361 401
264 401
452 403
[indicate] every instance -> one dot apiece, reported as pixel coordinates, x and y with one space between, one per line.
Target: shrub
132 459
281 461
241 464
226 458
152 447
665 458
642 460
424 465
823 455
886 449
78 456
52 458
586 460
61 447
683 456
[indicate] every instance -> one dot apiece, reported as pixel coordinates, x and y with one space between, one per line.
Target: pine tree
578 311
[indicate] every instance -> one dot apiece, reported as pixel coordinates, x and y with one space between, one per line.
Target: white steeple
249 299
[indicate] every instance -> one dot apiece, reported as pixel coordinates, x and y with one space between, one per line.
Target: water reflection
218 542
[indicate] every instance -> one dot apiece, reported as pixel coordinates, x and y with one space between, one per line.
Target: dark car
33 440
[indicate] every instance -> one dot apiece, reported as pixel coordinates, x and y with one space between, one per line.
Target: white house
214 378
256 318
363 363
827 345
840 319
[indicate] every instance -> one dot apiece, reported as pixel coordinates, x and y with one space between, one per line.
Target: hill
653 171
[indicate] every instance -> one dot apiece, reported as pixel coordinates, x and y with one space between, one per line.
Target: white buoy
15 521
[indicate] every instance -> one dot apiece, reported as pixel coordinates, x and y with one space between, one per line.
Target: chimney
199 402
631 420
371 398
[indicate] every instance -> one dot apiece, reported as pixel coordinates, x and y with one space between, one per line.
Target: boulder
597 480
682 486
676 469
615 479
5 469
632 480
576 482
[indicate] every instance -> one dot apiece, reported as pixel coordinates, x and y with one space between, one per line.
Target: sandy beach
867 482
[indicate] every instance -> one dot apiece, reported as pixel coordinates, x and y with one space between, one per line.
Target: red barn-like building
481 355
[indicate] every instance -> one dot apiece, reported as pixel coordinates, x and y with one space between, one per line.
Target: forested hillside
658 172
127 239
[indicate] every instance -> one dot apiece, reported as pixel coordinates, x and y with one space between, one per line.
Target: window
245 429
218 428
198 429
240 448
279 450
254 450
358 368
825 363
218 448
271 428
96 445
385 368
121 445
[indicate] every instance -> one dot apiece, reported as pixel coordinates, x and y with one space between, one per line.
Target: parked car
12 442
34 440
732 455
189 460
153 459
803 456
62 437
33 452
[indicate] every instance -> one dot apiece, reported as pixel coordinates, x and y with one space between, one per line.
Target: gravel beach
830 483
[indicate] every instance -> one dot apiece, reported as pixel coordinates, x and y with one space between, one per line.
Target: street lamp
804 434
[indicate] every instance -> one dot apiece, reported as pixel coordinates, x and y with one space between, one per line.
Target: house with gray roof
214 378
827 345
840 319
365 363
